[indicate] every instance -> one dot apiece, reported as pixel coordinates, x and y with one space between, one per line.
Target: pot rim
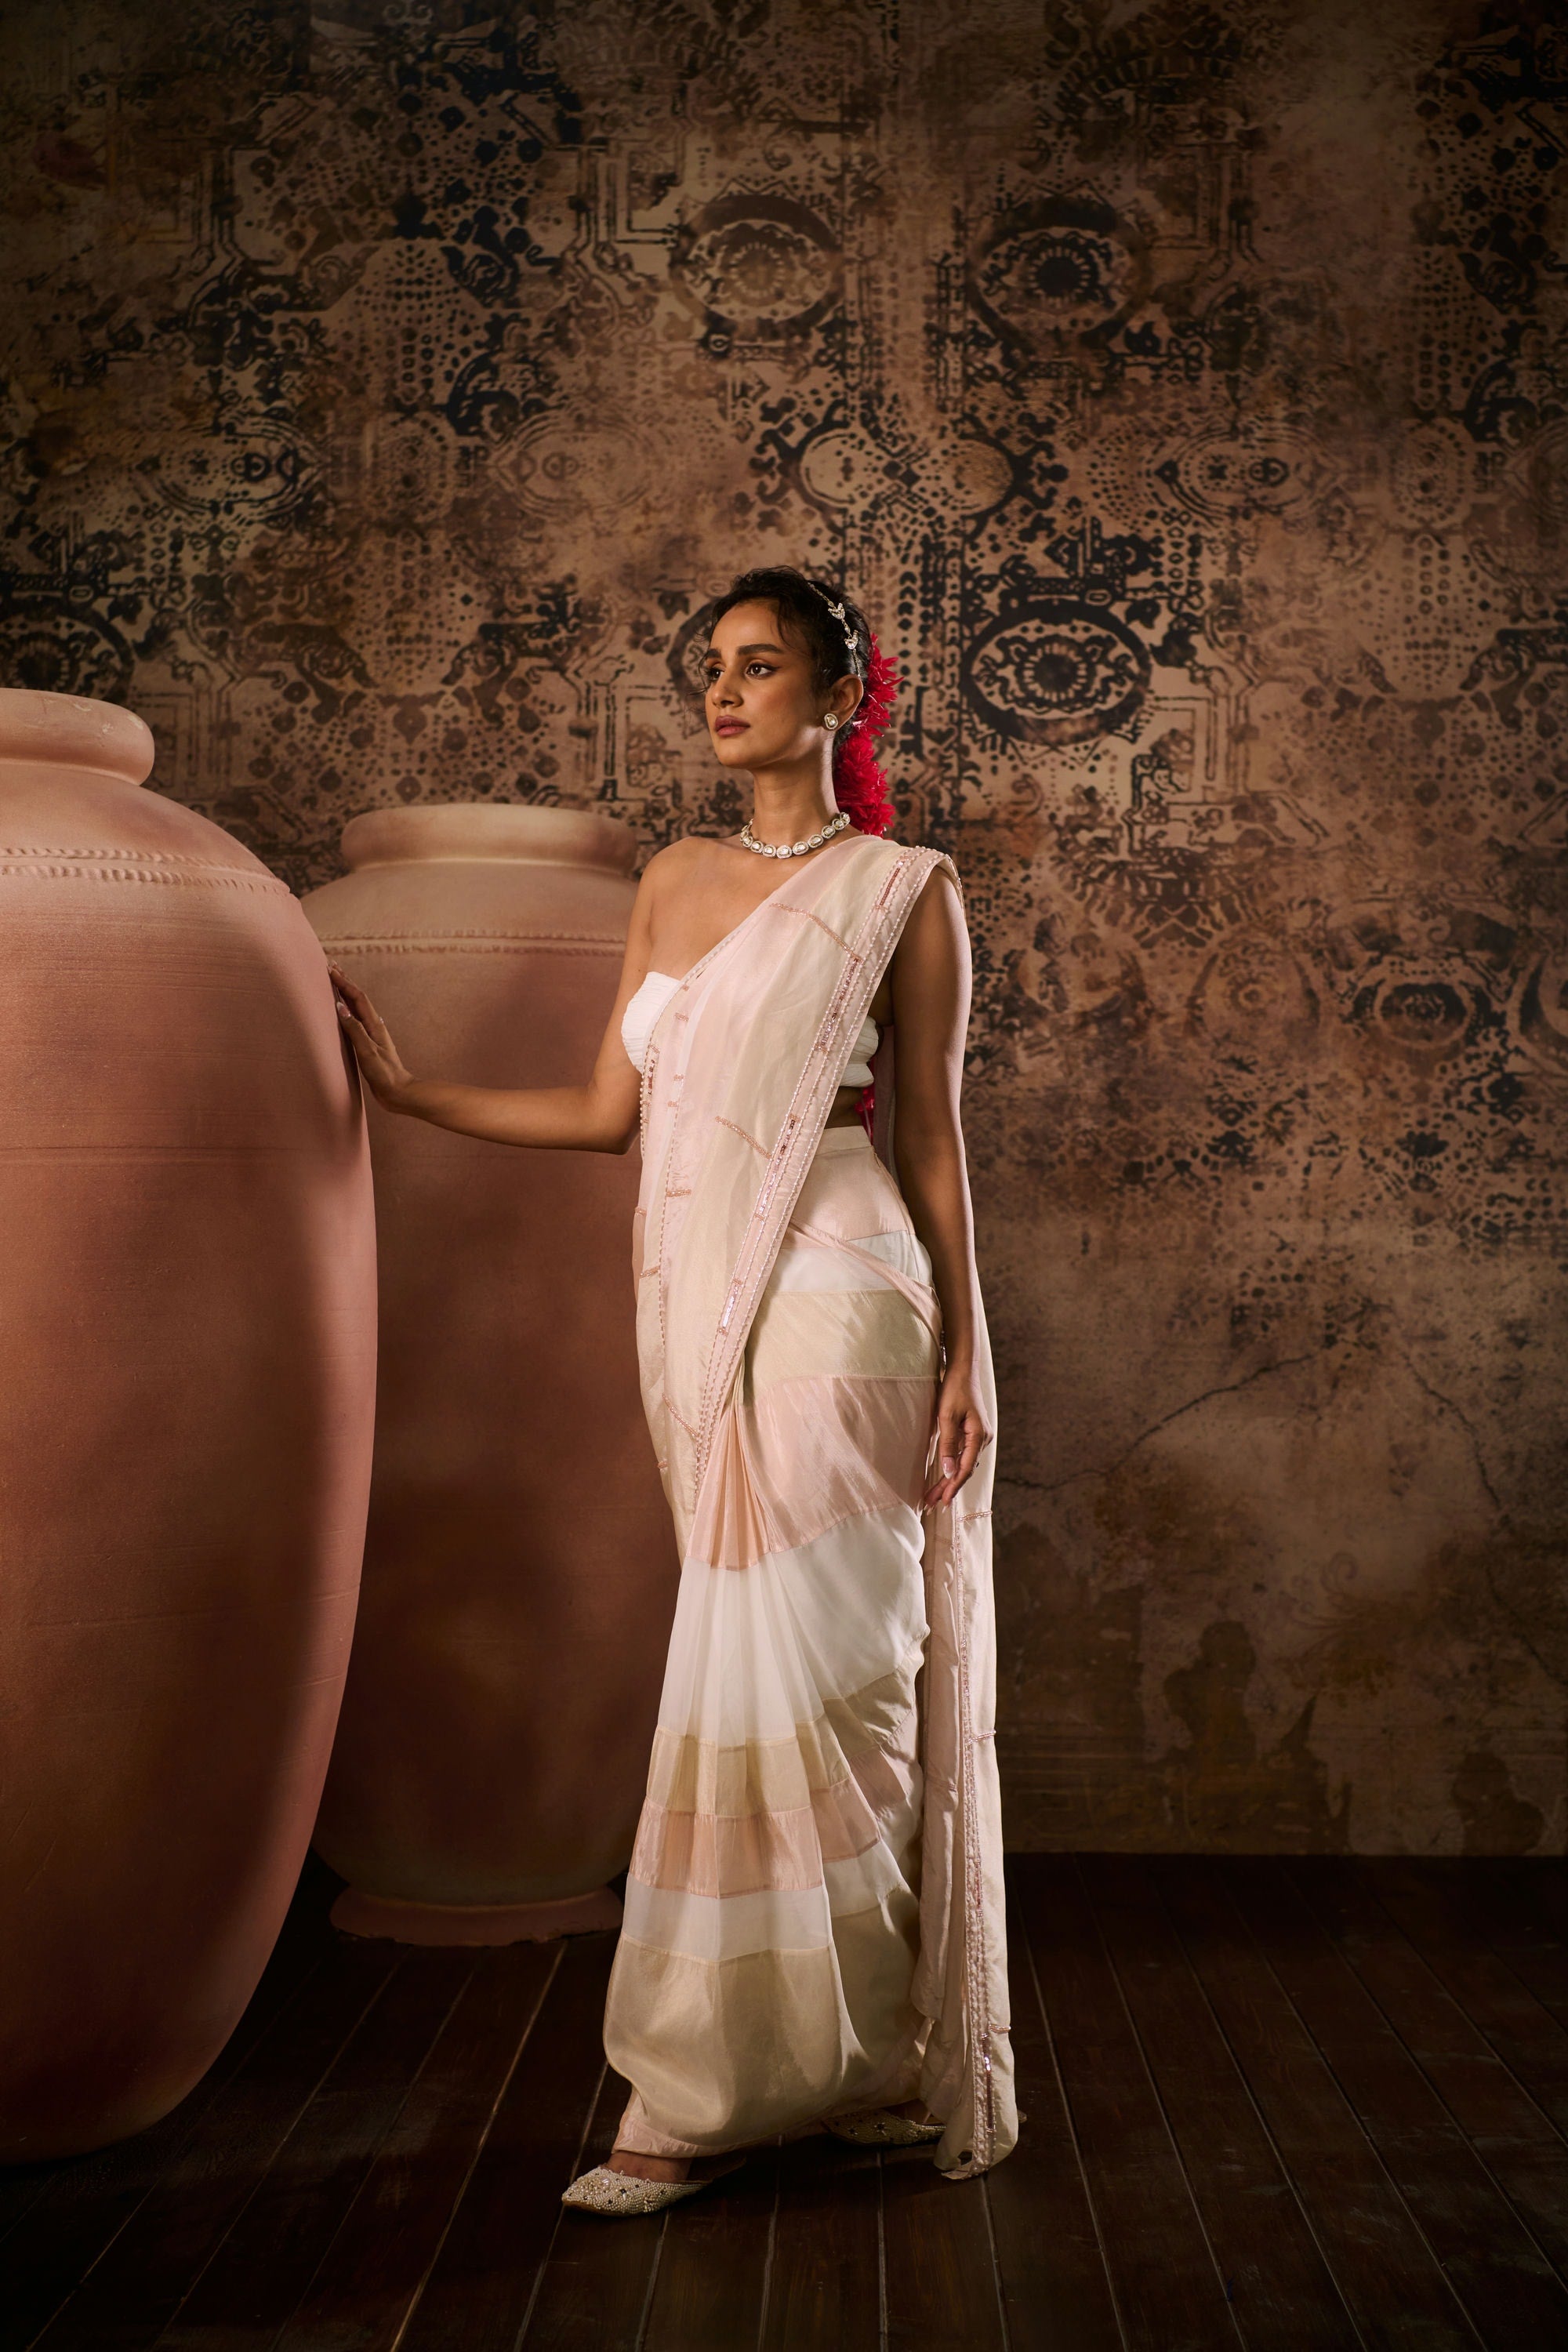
488 832
76 731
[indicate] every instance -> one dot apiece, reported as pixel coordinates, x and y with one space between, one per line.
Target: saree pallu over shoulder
741 1071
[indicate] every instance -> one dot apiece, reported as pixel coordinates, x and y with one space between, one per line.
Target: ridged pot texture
187 1307
520 1566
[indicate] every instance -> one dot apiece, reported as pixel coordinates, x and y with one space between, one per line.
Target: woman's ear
846 699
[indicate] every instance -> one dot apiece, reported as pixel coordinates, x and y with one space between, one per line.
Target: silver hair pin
840 615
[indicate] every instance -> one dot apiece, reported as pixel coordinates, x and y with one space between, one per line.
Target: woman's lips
731 726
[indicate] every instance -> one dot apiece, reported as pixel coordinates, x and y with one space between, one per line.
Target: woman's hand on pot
961 1436
381 1065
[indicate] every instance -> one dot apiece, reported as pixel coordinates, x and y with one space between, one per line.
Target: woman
813 1931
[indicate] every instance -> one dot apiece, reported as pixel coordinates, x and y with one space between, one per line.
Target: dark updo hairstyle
809 611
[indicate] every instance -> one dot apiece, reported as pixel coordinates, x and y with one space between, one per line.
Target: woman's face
763 706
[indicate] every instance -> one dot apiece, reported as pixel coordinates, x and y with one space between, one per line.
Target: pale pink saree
814 1913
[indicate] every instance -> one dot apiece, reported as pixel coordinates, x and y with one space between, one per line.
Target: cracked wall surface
1184 389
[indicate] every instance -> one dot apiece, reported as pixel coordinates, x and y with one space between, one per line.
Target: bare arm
931 989
601 1116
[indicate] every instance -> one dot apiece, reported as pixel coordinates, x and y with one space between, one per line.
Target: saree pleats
812 1914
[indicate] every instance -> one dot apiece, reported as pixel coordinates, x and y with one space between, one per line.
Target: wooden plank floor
1281 2105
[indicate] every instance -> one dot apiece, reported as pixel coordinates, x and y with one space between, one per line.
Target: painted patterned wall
1185 388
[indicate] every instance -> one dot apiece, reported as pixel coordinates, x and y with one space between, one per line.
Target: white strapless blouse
644 1008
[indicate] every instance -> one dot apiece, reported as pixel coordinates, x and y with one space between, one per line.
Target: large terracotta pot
520 1566
187 1303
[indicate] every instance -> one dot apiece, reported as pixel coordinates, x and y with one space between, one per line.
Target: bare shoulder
686 857
675 867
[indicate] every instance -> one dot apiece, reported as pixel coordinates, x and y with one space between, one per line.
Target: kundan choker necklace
794 848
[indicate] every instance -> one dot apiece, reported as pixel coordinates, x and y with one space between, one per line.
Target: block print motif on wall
389 388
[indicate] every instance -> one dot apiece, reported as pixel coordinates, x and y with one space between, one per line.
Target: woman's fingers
349 990
948 1453
962 1436
365 1051
364 1028
968 1453
366 1031
358 1002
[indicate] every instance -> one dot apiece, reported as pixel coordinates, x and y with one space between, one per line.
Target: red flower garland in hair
860 788
859 779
